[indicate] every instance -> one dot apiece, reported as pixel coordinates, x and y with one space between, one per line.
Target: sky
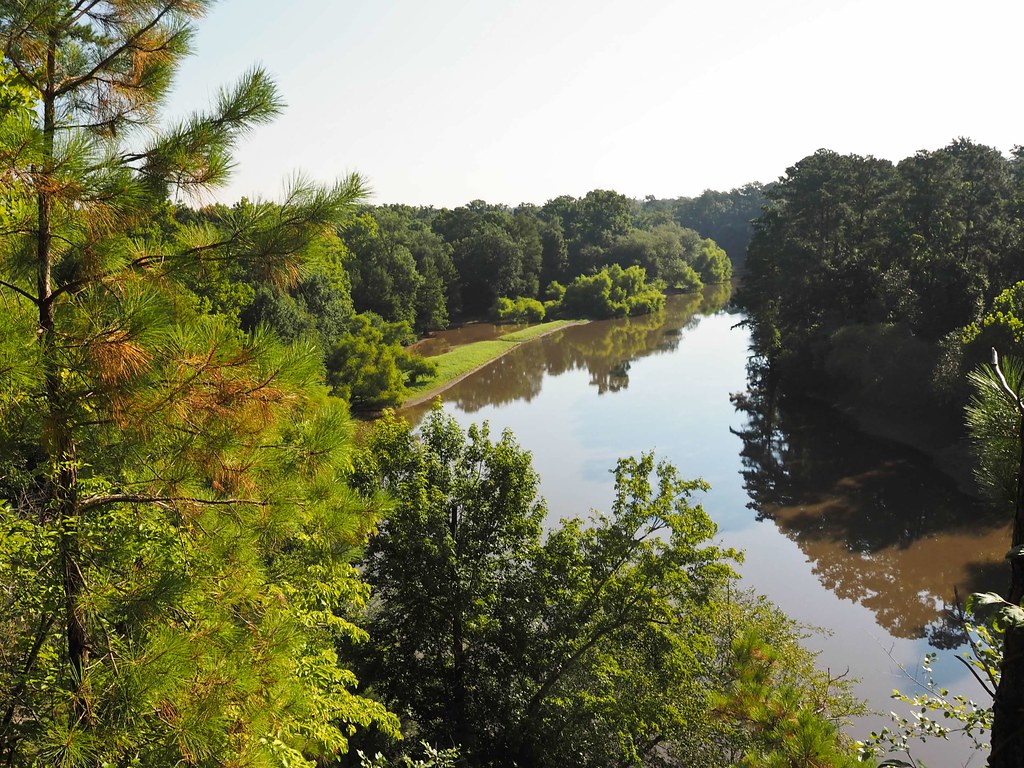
441 102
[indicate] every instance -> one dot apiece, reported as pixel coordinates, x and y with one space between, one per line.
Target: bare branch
16 289
132 498
1003 384
974 673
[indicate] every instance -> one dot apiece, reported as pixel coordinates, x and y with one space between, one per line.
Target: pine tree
175 531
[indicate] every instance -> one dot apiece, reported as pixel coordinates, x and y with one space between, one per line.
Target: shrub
521 310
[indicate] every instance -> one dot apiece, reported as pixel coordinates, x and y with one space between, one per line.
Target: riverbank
457 364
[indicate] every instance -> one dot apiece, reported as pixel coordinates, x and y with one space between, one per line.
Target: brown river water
858 536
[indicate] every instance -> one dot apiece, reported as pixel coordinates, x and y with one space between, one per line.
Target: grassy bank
462 361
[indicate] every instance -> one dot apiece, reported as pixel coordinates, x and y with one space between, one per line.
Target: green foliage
383 272
519 310
604 642
684 278
1001 327
555 291
936 713
368 367
849 240
432 758
725 217
465 520
993 424
176 532
712 263
783 716
612 292
663 252
768 704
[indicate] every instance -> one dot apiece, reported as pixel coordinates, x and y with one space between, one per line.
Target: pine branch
131 498
1004 384
20 69
16 289
44 629
130 43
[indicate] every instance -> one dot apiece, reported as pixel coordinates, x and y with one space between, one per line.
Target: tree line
878 277
388 274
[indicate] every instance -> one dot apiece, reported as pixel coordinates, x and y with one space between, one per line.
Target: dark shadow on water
880 523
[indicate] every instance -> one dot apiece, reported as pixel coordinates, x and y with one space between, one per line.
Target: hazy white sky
444 101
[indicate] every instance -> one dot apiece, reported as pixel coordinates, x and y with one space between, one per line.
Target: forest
204 560
889 280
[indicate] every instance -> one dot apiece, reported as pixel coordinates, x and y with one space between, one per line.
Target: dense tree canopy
175 529
856 253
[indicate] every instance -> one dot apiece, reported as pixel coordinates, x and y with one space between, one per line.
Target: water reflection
879 524
606 349
860 536
439 342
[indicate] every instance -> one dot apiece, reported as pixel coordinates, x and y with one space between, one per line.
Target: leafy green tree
175 530
464 525
438 296
589 226
382 270
432 294
554 252
603 215
519 311
367 365
957 203
712 263
400 230
612 292
725 217
527 232
490 264
607 642
314 309
1002 327
278 311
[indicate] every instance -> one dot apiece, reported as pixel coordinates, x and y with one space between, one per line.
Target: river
858 536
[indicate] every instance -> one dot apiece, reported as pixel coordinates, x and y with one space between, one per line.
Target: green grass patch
537 330
466 358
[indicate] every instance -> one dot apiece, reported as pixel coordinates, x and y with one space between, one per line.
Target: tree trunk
1008 703
1016 593
59 439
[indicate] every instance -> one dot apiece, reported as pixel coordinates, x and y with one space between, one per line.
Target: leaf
985 606
1010 617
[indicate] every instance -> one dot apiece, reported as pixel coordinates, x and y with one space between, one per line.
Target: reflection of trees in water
882 526
714 298
606 349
